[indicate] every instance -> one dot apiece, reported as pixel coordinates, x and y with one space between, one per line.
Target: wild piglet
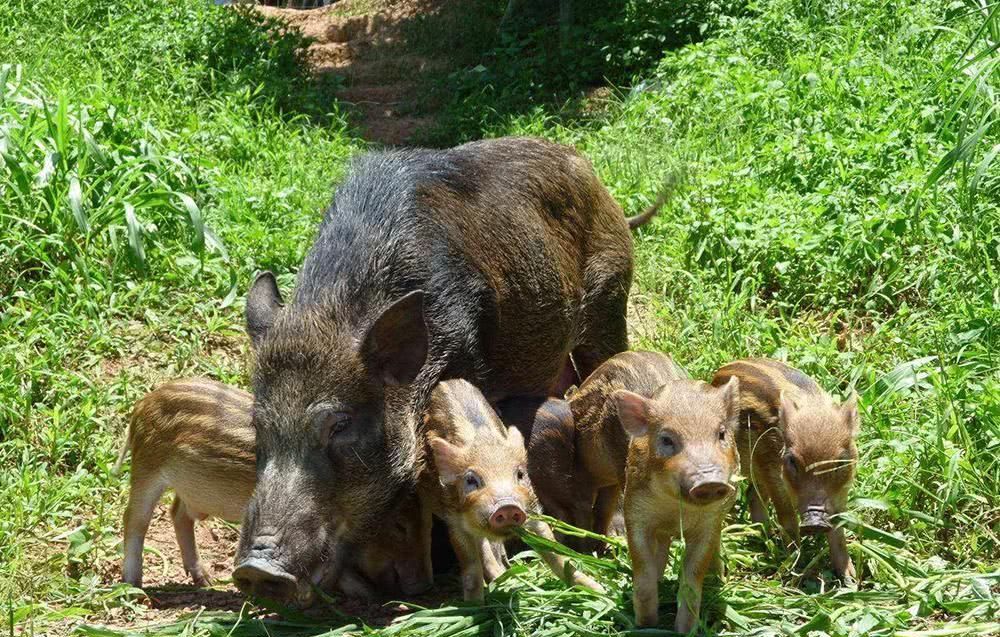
476 480
798 448
195 436
602 444
681 462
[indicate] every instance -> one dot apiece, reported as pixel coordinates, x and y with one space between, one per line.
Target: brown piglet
195 436
550 433
476 480
682 460
602 445
798 448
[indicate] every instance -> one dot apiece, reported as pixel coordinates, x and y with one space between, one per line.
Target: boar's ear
633 412
263 303
849 410
447 459
395 347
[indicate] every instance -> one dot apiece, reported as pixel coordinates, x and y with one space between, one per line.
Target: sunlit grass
841 211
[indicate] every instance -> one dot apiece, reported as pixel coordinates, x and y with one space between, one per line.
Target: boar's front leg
470 562
649 556
840 556
700 555
563 568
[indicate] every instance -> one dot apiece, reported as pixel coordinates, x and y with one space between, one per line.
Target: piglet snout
815 521
507 517
709 491
709 485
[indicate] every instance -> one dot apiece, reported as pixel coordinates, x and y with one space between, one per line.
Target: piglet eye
520 474
666 446
791 464
472 482
722 433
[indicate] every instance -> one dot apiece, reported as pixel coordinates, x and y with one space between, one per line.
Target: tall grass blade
76 205
135 236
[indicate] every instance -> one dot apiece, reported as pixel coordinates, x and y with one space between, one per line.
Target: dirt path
361 40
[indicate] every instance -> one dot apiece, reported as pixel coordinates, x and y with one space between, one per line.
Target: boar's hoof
814 522
507 517
265 579
709 491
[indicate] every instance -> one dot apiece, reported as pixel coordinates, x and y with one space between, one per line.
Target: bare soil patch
360 40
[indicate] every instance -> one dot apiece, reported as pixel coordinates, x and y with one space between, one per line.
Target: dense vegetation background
841 210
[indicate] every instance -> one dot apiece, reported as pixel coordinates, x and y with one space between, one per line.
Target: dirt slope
361 41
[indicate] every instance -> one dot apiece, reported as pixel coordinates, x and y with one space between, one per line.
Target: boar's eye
332 425
722 434
666 446
520 474
472 482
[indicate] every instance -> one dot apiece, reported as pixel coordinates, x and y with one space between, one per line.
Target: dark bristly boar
195 436
601 442
798 448
681 463
477 481
492 261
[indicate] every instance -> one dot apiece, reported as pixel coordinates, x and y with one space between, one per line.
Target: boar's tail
124 450
661 199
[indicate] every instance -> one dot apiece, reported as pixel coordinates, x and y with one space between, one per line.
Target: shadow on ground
439 72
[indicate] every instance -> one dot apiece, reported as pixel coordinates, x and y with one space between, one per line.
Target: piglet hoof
201 578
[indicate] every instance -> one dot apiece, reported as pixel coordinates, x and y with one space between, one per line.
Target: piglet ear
731 398
395 347
849 412
447 459
633 412
786 407
514 437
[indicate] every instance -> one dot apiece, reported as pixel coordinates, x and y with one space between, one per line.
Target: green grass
841 210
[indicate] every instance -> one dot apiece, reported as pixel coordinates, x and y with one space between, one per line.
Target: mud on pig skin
477 481
195 436
492 261
798 448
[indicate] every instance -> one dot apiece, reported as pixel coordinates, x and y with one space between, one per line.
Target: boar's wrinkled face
818 464
488 478
335 434
687 431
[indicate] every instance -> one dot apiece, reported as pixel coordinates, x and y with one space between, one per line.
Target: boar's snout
264 578
709 485
506 517
815 521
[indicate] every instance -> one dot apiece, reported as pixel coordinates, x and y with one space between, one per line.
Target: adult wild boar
492 261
